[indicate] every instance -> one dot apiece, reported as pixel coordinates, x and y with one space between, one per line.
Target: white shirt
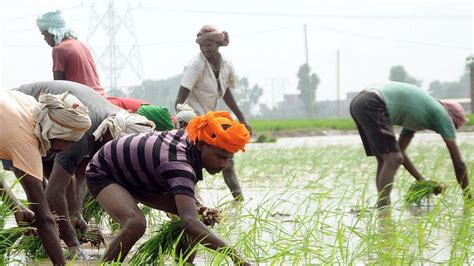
199 78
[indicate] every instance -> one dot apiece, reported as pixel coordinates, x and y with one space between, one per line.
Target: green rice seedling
162 245
32 247
93 210
159 246
8 238
423 189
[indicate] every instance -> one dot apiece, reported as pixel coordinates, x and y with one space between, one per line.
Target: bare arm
182 96
230 101
459 167
187 212
23 215
59 75
403 141
45 224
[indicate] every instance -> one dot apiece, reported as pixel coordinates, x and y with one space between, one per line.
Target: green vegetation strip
306 124
291 124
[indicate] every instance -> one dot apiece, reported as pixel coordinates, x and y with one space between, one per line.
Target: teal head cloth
159 115
54 23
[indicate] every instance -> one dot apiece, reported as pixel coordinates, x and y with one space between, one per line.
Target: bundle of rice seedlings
93 236
211 216
30 244
161 245
423 189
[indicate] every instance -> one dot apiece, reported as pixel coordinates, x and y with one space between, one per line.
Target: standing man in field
378 108
208 78
31 129
72 60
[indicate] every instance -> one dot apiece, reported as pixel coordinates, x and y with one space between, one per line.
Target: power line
33 27
328 16
31 16
369 36
233 36
319 27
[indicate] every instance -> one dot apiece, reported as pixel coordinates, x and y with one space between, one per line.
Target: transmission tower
111 22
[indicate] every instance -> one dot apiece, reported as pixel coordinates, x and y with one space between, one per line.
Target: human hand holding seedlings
78 222
188 213
24 216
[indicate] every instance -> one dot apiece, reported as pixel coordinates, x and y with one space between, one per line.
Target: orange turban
208 128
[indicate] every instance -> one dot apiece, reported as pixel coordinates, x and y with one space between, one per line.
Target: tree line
163 92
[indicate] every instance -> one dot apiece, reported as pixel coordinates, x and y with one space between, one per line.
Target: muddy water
336 202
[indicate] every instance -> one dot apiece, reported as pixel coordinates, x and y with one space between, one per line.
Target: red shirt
129 104
74 59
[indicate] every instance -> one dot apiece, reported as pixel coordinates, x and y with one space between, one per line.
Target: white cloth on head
60 116
54 23
123 123
185 113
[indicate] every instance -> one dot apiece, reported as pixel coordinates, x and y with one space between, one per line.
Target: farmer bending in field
375 110
67 187
30 129
160 170
208 78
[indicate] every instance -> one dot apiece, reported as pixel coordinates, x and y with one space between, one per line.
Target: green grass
314 124
293 124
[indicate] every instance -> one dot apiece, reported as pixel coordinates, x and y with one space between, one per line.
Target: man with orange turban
160 170
208 78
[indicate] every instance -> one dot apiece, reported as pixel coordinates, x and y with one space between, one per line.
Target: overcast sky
431 39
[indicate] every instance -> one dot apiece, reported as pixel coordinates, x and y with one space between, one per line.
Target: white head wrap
60 116
54 23
185 113
123 123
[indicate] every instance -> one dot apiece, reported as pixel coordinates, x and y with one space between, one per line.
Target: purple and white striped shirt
159 162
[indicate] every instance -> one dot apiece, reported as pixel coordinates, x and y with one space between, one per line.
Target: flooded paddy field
311 201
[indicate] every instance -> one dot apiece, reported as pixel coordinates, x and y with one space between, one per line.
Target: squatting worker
66 188
30 129
378 108
207 78
160 170
72 60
